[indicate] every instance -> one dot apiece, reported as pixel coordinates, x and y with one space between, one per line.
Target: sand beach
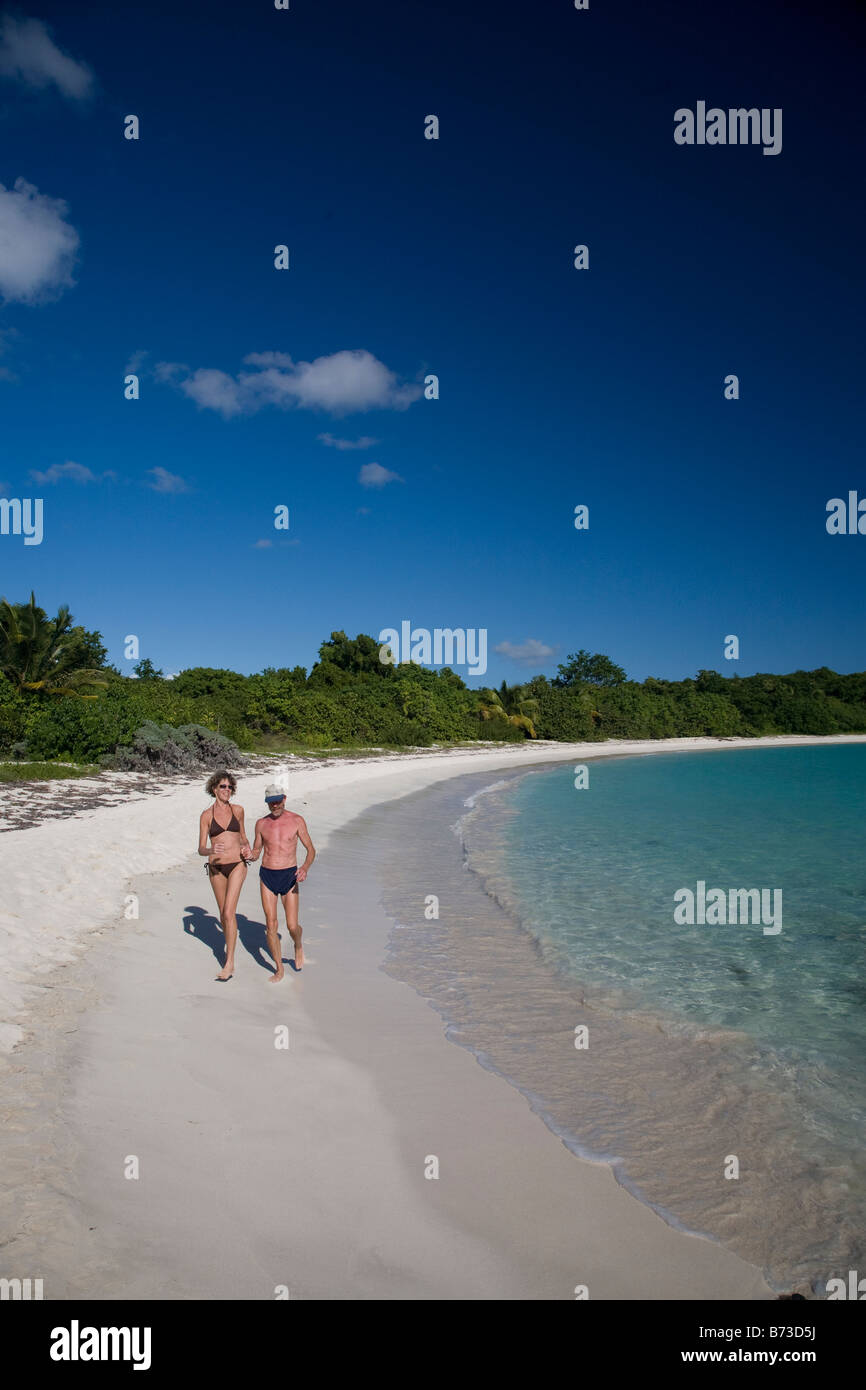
167 1136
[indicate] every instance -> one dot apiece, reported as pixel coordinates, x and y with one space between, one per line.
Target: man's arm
304 837
257 843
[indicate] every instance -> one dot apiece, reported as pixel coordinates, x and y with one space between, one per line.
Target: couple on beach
230 853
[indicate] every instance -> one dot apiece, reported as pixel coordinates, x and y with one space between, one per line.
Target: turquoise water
598 870
724 1080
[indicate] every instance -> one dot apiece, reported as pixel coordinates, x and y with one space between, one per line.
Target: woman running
226 859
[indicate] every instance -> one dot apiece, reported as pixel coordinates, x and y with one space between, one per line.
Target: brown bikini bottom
222 868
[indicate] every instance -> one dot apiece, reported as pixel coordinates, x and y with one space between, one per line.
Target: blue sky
453 257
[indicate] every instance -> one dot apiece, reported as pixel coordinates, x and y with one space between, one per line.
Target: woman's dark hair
218 777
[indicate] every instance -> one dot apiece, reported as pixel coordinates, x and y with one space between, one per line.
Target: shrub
164 748
13 715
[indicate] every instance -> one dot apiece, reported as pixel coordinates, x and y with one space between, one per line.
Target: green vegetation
49 654
60 701
43 772
174 750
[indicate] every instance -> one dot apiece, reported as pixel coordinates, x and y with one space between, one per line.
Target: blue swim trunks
279 881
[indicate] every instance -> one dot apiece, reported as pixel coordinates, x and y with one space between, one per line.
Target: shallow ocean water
722 1070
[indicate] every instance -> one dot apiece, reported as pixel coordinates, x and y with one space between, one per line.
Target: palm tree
511 704
42 653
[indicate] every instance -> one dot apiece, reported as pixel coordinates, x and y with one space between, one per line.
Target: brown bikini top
217 829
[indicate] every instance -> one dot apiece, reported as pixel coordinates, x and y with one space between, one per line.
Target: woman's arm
202 834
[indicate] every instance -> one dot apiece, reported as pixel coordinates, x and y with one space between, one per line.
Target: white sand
64 878
262 1167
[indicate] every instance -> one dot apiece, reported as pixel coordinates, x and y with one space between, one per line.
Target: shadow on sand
205 927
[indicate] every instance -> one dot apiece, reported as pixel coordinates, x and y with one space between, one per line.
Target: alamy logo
76 1343
445 646
739 906
847 520
856 1288
22 516
737 126
21 1289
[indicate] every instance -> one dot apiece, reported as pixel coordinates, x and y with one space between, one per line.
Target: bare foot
299 957
226 973
277 975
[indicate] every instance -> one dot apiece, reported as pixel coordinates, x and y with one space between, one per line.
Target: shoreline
665 1094
67 876
114 1064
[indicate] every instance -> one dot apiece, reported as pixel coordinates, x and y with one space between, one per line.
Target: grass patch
43 772
274 747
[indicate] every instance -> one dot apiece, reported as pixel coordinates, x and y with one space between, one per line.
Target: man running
279 833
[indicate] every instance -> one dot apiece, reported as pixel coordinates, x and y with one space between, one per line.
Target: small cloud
528 653
340 383
135 363
262 545
28 54
365 442
163 481
39 246
169 371
365 511
374 475
213 390
72 473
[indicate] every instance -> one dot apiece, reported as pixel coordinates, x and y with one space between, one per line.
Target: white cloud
374 475
344 382
528 653
214 390
163 481
28 54
262 545
366 441
169 371
70 472
136 362
37 245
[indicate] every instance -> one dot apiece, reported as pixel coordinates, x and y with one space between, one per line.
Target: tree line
60 699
